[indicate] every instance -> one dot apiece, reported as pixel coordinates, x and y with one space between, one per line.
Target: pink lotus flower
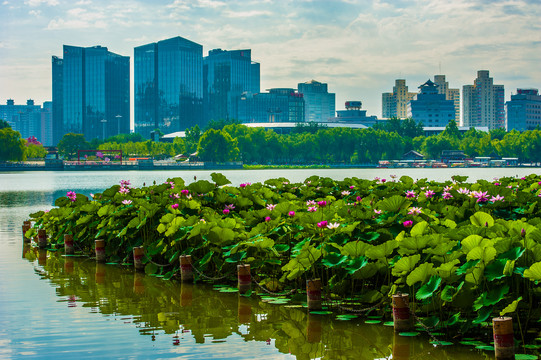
352 187
268 218
310 203
345 193
322 203
225 211
124 190
378 211
312 208
125 183
393 176
174 206
447 195
271 207
185 192
333 225
497 184
359 199
414 210
126 202
71 195
408 223
429 193
322 224
242 185
410 194
497 198
291 213
230 207
463 191
480 196
176 196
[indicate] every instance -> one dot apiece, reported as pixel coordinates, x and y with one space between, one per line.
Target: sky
358 47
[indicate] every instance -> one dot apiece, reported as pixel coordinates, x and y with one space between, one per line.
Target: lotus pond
466 252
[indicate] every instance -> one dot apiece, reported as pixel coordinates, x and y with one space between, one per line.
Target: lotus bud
523 232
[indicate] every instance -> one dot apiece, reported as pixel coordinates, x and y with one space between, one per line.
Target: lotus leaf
466 267
428 289
333 259
482 314
405 265
481 218
356 264
534 272
511 307
355 248
419 229
420 274
381 251
219 179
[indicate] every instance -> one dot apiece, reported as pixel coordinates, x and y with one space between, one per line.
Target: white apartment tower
483 103
450 94
395 104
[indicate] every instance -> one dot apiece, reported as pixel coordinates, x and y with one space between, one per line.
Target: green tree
71 143
451 130
4 124
33 151
11 145
218 146
191 139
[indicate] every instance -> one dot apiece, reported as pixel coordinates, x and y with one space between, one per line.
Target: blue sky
358 47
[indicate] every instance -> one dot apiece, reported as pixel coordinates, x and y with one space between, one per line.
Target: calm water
55 307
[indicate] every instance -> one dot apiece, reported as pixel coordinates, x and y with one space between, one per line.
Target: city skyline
358 48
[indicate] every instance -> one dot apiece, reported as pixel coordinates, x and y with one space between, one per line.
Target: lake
53 306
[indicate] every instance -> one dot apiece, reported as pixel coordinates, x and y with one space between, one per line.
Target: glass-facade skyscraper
91 92
320 105
168 80
278 105
227 74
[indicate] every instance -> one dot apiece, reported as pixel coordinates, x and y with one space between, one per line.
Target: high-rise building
227 74
430 107
168 77
450 94
278 105
319 104
483 103
524 110
46 124
395 104
94 85
23 118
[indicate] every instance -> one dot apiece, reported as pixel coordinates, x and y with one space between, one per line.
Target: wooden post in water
244 310
186 294
68 265
42 257
401 313
401 347
42 239
504 343
313 329
138 253
186 268
313 294
101 269
68 244
26 226
100 250
138 285
244 278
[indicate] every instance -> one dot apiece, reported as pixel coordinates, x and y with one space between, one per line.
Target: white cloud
34 3
83 2
34 12
246 14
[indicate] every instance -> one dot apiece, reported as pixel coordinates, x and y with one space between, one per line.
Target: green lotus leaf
481 218
534 272
449 223
405 265
219 235
431 321
151 269
371 296
511 307
447 269
466 267
356 264
219 179
473 241
449 292
495 269
281 247
333 259
355 248
482 314
409 333
201 187
441 248
414 244
236 257
366 272
382 251
419 229
486 254
420 274
428 289
453 319
512 254
370 236
393 204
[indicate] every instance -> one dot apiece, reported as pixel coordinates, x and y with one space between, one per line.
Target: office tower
168 77
524 110
22 118
450 94
319 104
94 85
46 124
278 105
483 103
430 108
395 104
227 74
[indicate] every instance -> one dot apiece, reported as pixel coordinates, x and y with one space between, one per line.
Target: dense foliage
464 251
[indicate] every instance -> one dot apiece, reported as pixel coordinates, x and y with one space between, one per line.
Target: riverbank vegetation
465 252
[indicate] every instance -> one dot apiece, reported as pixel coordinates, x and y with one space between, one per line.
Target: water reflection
165 308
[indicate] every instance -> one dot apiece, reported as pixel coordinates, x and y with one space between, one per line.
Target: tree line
222 141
